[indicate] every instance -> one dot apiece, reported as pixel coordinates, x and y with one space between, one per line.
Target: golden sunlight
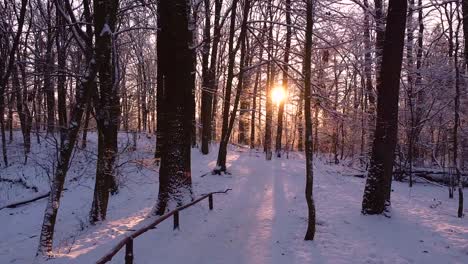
278 94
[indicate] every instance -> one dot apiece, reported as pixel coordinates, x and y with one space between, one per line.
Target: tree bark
207 96
310 233
378 184
456 121
222 152
269 88
107 106
279 130
177 91
254 106
409 89
244 109
60 42
368 65
48 71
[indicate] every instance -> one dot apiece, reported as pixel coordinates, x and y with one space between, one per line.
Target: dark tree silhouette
309 150
175 102
378 185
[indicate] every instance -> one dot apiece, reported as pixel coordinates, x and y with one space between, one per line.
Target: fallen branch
431 182
29 200
19 203
355 175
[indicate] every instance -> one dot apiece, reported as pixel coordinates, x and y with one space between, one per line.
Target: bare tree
177 92
309 153
378 184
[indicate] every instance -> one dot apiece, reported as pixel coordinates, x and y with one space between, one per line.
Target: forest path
252 224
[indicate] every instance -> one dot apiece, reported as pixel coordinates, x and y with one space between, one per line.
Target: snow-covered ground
262 220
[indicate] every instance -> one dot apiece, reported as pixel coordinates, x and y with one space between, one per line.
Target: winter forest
233 131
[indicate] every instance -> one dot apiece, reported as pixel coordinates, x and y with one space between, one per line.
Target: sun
278 94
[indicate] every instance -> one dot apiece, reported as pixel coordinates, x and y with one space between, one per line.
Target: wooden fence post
210 201
176 219
129 252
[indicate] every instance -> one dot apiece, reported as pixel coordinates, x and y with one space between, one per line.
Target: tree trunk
378 185
177 91
9 123
23 112
300 126
48 82
222 152
84 138
310 233
420 96
107 106
254 106
409 88
456 121
60 41
269 88
256 94
243 137
465 31
379 38
193 22
207 95
368 65
279 130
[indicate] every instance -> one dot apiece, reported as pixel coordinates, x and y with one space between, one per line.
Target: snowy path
250 225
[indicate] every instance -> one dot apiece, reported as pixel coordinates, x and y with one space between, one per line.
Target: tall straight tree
61 46
209 85
174 40
255 112
23 109
378 184
465 30
456 121
379 36
222 152
160 122
269 85
309 150
244 108
379 44
410 88
279 130
368 69
48 67
106 104
207 96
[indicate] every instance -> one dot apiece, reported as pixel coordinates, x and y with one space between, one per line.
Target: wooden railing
128 241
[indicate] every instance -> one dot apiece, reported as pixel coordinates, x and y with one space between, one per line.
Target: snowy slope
262 220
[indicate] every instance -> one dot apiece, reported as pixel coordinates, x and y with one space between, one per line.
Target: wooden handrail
128 240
